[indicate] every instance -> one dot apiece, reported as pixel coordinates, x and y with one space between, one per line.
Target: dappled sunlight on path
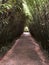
25 51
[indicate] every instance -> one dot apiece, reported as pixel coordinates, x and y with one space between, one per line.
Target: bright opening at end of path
26 31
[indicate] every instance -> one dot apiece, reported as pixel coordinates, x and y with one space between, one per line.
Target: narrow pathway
25 51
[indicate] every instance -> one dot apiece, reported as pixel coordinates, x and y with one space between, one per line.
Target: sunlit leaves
39 27
5 7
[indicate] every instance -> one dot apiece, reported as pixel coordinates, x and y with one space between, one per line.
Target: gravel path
25 51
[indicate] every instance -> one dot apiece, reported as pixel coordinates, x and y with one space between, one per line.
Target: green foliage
39 23
5 7
15 14
11 17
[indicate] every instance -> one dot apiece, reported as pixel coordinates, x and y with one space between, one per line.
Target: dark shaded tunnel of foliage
13 19
39 24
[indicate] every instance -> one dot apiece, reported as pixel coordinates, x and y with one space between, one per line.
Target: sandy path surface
25 51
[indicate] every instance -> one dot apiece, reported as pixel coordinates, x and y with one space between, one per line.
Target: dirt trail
25 51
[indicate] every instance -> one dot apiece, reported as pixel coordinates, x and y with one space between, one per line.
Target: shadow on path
25 51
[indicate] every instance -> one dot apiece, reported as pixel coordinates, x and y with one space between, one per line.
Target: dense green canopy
39 24
16 14
11 17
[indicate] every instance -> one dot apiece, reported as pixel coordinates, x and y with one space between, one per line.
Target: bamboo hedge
12 21
39 24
